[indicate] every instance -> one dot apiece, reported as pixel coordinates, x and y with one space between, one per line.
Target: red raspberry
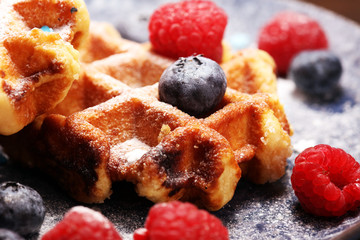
326 181
289 33
186 28
83 223
176 220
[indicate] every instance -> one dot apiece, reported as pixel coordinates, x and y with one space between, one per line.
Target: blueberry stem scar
73 9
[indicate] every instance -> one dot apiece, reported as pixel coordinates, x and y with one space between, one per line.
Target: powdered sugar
133 149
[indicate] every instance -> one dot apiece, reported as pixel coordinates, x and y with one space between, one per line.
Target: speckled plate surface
269 211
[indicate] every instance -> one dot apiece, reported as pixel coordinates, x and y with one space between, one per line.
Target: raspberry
83 223
186 28
289 33
326 181
176 220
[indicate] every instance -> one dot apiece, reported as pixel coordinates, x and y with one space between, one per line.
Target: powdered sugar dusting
135 155
132 149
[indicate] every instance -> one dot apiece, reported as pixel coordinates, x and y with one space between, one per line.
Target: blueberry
316 73
21 208
3 159
6 234
195 84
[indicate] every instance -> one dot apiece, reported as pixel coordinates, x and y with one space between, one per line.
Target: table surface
256 211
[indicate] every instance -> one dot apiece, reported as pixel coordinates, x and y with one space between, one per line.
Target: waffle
250 71
37 68
112 127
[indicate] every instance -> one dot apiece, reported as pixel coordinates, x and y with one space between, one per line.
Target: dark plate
256 212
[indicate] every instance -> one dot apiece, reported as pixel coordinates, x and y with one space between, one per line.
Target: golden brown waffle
249 71
37 68
112 127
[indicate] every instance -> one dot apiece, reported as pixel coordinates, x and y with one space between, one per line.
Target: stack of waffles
111 126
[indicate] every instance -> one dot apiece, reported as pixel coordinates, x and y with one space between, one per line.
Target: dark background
347 8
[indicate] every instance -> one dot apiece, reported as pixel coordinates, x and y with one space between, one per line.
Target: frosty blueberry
316 73
194 84
6 234
21 208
